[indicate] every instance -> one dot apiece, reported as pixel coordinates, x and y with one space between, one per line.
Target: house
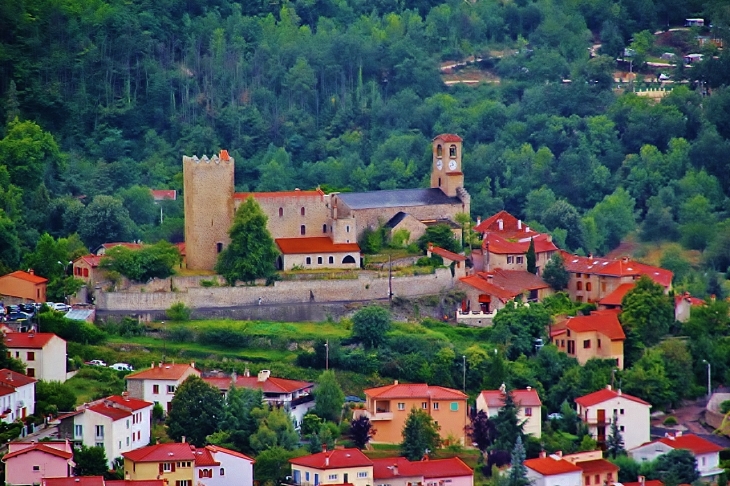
118 423
683 306
164 194
294 395
707 454
99 481
42 353
399 471
87 269
17 395
30 462
157 384
593 278
488 292
642 481
316 252
598 335
553 470
184 464
529 407
597 471
388 406
339 466
694 22
449 258
24 286
598 409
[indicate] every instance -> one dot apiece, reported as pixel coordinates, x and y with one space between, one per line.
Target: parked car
96 362
61 307
27 308
122 367
18 316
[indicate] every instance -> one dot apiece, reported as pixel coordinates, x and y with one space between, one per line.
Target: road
688 416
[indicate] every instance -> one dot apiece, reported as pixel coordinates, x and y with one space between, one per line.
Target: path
688 416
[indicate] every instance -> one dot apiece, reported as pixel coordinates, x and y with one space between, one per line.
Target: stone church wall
289 224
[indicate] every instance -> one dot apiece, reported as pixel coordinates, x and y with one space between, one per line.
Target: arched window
588 286
579 286
332 259
219 247
452 151
302 230
324 228
308 260
281 212
439 150
223 472
302 211
319 260
348 259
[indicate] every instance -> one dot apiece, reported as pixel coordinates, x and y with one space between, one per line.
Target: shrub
180 335
209 283
69 329
226 337
178 312
670 420
725 406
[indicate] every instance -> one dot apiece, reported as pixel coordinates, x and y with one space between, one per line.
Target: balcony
475 318
357 413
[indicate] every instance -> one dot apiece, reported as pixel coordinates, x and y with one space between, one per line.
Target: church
312 229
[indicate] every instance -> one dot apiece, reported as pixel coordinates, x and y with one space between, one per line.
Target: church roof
396 197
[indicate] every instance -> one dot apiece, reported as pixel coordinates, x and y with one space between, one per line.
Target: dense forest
101 98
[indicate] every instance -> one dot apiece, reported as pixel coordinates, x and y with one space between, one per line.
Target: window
17 354
281 212
219 247
609 476
599 344
127 423
452 151
331 259
36 468
520 259
401 406
183 482
528 411
454 406
332 477
155 389
510 259
587 344
621 427
347 228
597 478
86 272
308 260
439 150
577 275
99 444
435 405
302 230
319 260
127 443
324 228
78 430
364 474
100 431
424 405
306 476
704 461
30 372
588 480
302 211
589 287
166 467
621 411
223 472
579 286
120 444
603 286
170 388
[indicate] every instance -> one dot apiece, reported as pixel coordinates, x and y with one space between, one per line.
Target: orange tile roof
75 481
90 259
525 398
133 404
318 244
430 469
336 459
161 194
162 453
414 390
691 300
605 394
32 340
648 482
498 244
693 443
550 466
222 450
265 195
597 466
604 322
448 137
28 277
622 267
203 457
489 288
444 253
165 372
617 296
270 385
40 447
181 248
14 379
111 412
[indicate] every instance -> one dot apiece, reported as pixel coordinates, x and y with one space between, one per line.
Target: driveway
688 417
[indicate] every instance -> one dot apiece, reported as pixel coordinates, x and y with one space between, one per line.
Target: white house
553 470
17 396
707 454
528 403
42 353
117 423
294 395
598 409
157 384
218 466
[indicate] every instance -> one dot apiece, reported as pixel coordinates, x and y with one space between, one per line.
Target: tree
275 430
614 442
555 273
141 205
90 461
239 420
517 325
29 152
105 219
531 257
506 423
143 264
614 217
647 379
251 253
420 435
272 465
677 466
518 471
53 397
647 310
481 431
440 235
329 397
370 325
197 410
361 431
564 216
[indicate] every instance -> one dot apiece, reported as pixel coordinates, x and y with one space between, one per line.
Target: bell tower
446 173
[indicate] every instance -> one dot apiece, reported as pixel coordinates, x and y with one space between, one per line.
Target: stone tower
446 173
208 194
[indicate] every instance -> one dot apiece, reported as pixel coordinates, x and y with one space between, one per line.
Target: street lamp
327 355
463 381
65 273
709 378
164 341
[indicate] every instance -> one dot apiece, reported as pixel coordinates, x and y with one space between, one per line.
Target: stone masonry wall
289 224
366 287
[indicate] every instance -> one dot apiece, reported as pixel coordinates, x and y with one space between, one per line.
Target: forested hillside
101 98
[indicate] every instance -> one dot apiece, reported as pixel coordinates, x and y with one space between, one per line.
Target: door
345 478
297 476
316 479
601 429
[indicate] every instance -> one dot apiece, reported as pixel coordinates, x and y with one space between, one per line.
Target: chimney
326 459
125 395
642 480
324 448
246 372
395 382
503 388
519 224
608 387
395 469
159 365
678 434
31 271
192 364
234 377
501 224
183 439
527 230
264 375
153 365
543 454
529 388
559 454
619 392
479 220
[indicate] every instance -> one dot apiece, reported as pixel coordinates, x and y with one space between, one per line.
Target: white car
121 367
96 362
61 307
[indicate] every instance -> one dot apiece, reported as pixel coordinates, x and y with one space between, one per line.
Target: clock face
439 164
452 164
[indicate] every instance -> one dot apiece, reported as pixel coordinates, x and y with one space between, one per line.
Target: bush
725 406
69 329
433 261
670 420
209 283
226 337
180 335
178 312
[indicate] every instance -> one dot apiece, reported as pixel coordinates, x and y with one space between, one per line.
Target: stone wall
365 287
284 212
374 217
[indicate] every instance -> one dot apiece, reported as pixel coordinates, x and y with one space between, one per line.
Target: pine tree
508 426
614 442
531 258
518 471
420 434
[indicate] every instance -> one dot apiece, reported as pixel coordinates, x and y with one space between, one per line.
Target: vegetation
370 326
178 312
329 397
196 411
420 435
142 264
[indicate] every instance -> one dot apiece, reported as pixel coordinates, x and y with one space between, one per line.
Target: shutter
173 467
160 468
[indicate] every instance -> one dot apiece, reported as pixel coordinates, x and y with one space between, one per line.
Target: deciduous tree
420 435
105 219
481 430
143 264
555 273
648 310
361 431
90 461
370 325
329 397
197 410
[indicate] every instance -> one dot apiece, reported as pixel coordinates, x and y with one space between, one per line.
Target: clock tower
446 173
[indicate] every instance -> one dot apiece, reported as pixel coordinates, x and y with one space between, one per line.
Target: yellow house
388 406
340 466
173 463
598 335
26 286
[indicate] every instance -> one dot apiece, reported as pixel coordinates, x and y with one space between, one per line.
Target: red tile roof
525 398
90 259
136 482
489 288
32 340
505 284
14 379
444 253
617 296
181 248
203 457
622 267
693 443
28 277
75 481
161 194
415 390
511 226
133 404
165 372
597 466
605 394
550 466
318 244
691 300
266 195
336 459
162 453
270 385
40 447
498 244
604 322
448 137
433 468
117 407
648 482
222 450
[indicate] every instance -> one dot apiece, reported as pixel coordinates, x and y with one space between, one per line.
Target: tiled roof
28 277
622 267
136 482
113 413
90 259
386 468
318 244
117 407
648 482
335 459
203 457
40 447
267 195
162 194
604 322
516 281
617 296
498 244
525 398
270 385
511 226
397 198
448 137
162 453
133 404
75 481
414 390
693 443
605 394
443 253
488 288
181 248
596 466
687 297
31 340
14 379
550 466
165 372
222 450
